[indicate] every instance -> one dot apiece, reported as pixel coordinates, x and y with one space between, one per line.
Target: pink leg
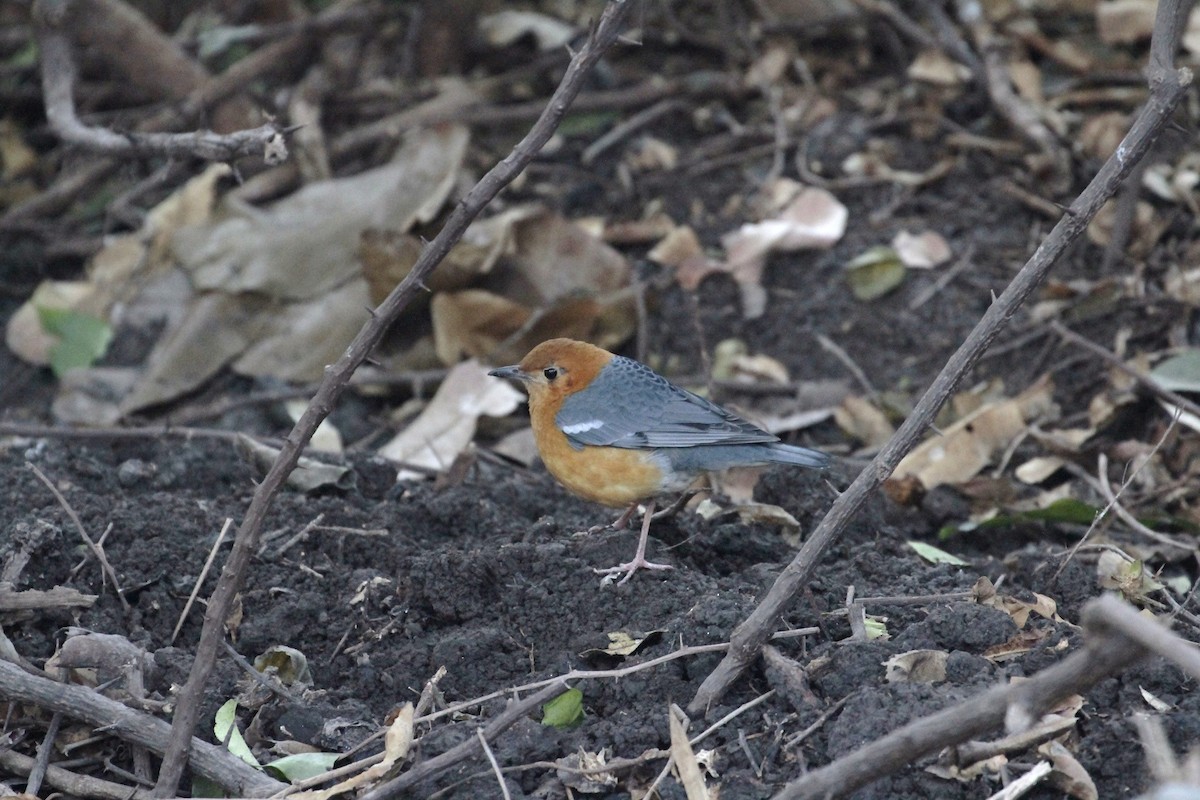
621 522
639 559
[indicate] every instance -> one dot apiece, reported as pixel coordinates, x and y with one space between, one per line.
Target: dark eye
550 372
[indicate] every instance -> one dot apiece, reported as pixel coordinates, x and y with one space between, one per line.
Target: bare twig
1147 382
58 86
338 374
1168 88
106 567
42 762
212 554
81 703
439 764
491 757
76 785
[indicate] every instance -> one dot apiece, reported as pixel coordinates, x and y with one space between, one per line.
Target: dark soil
491 579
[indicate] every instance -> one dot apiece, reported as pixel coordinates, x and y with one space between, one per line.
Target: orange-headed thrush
614 431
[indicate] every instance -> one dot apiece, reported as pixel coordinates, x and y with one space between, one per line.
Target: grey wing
629 405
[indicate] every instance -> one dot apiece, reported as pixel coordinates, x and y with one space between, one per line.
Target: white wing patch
583 427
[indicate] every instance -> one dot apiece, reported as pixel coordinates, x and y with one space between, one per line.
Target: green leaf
564 711
876 627
82 338
225 727
936 555
587 123
1179 373
875 272
302 766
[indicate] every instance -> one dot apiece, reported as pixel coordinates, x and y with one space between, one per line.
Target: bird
615 432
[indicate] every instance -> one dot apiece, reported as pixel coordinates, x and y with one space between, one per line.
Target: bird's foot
627 569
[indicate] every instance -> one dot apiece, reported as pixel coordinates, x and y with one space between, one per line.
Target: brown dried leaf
968 445
858 418
917 666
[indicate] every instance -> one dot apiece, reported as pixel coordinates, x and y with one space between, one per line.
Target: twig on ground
629 127
576 675
42 761
695 740
148 432
967 753
1149 383
1101 486
97 551
838 352
943 280
491 757
98 711
208 562
338 374
298 537
60 597
1168 88
1023 784
73 784
817 723
1020 114
1129 519
439 764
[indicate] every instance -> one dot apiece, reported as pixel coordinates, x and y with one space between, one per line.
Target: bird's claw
627 569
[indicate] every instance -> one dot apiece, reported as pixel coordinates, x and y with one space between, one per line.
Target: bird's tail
803 456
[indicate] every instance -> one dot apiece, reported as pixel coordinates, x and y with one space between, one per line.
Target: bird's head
557 368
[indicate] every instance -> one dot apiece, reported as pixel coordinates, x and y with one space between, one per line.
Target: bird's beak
514 372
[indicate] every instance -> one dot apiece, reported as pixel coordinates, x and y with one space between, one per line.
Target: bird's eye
550 372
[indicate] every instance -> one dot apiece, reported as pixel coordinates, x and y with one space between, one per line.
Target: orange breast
607 475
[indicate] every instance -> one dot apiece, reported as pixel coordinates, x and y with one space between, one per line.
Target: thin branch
439 764
1167 91
491 757
105 567
337 378
58 87
93 708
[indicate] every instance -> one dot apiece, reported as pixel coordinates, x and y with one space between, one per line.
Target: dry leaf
813 220
935 67
305 244
1148 227
396 744
1100 134
921 250
683 759
1036 470
519 446
1069 775
309 473
506 27
447 425
586 782
858 418
1125 21
479 324
917 666
968 445
17 159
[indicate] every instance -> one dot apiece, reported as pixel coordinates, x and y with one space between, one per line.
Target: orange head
556 369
